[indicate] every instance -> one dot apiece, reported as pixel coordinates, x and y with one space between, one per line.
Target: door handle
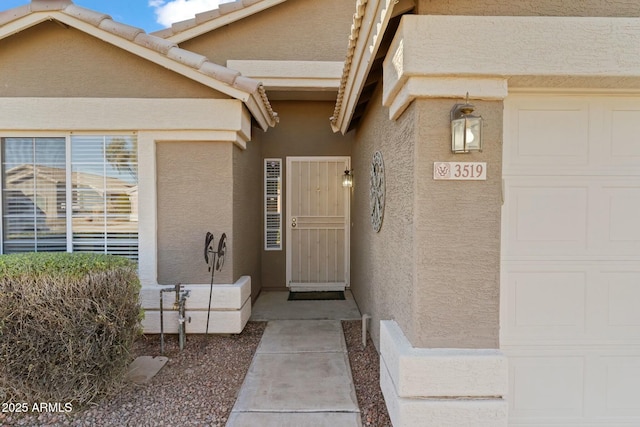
293 222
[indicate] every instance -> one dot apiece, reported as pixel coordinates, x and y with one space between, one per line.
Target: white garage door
570 297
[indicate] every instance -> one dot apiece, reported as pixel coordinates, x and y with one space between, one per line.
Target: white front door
317 223
570 285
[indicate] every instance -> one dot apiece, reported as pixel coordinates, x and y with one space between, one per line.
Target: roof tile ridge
87 15
219 72
203 17
44 5
152 42
125 31
262 92
246 84
232 6
186 57
103 21
206 16
180 26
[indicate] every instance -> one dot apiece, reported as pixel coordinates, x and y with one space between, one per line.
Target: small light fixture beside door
347 179
466 129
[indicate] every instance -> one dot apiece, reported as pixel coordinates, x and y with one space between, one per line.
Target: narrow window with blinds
75 194
273 204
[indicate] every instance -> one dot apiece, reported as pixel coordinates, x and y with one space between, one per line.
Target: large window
77 193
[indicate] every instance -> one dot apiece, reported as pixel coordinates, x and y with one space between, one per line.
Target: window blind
273 204
87 202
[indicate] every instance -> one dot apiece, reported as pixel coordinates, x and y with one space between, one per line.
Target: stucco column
444 367
457 234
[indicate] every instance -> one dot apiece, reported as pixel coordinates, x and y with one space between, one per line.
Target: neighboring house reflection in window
103 193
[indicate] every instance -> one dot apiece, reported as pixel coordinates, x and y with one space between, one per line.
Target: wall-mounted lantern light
466 129
347 179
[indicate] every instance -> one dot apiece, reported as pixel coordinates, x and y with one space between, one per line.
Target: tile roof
351 50
216 18
225 80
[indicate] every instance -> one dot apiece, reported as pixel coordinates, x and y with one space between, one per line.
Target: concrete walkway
299 376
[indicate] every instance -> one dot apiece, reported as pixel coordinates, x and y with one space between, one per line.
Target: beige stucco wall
605 8
382 265
457 234
194 180
434 267
74 64
282 32
303 131
248 212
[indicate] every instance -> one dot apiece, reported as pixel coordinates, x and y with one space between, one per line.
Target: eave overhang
370 23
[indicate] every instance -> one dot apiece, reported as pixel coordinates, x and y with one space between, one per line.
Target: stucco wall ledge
230 308
410 88
441 386
441 372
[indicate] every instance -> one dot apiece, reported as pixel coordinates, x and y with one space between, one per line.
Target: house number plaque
460 171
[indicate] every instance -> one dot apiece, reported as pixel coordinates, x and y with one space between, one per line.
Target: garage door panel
621 130
565 133
548 133
544 303
621 210
621 378
549 298
579 303
546 386
551 218
572 216
580 386
622 296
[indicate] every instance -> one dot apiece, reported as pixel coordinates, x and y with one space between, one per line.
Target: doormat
316 296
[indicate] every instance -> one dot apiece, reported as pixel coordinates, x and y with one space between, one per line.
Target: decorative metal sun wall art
377 191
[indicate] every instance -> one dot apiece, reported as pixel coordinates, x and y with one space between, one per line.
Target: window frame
67 135
278 196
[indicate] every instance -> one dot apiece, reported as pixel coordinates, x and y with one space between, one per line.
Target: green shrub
67 325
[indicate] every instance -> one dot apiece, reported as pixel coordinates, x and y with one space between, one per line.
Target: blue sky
150 15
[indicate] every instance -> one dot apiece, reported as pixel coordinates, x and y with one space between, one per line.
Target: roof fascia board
222 20
23 23
377 15
291 75
256 106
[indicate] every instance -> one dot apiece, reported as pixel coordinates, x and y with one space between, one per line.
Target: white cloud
170 11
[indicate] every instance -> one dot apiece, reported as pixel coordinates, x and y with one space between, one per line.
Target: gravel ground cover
365 368
197 387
